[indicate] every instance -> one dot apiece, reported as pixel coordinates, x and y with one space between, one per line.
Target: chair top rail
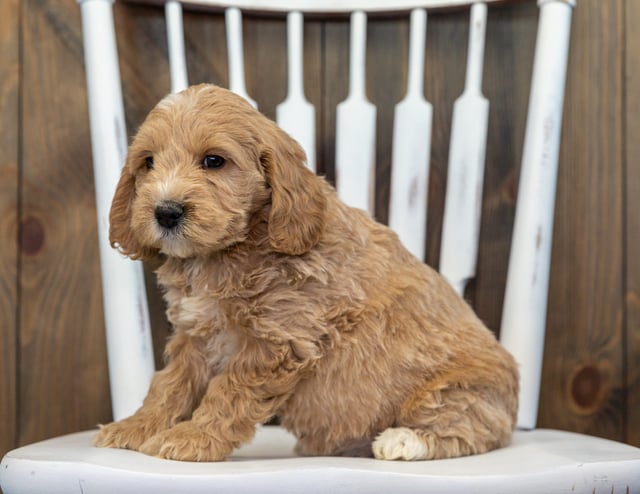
328 7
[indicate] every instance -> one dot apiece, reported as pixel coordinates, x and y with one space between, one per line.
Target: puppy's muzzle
169 214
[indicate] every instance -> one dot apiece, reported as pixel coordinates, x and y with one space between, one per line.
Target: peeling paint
121 140
414 192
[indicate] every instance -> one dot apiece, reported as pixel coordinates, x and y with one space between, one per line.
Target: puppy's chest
197 312
200 315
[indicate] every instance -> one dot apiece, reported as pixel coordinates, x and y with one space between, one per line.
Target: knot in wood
587 388
32 236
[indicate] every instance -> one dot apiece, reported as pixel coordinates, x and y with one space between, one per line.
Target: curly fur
286 302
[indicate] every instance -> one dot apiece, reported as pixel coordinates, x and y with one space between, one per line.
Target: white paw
399 443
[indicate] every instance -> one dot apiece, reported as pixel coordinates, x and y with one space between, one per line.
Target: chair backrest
524 310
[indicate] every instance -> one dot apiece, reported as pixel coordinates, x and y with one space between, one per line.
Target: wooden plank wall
584 371
61 365
9 152
53 376
631 121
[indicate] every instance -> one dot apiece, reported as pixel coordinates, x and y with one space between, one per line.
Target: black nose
169 214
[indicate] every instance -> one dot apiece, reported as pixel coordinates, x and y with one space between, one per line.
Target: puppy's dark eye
149 162
213 161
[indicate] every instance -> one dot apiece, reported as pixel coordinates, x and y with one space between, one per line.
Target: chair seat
537 461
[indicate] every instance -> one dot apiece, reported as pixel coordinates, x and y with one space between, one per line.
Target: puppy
287 303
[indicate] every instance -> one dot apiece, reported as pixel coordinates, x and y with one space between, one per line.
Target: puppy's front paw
185 442
399 443
129 433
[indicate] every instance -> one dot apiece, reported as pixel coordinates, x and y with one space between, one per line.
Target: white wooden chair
538 460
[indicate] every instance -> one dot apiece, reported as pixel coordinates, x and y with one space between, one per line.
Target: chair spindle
175 40
463 203
412 148
356 127
233 23
295 114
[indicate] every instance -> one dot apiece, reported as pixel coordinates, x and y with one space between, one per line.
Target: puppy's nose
169 214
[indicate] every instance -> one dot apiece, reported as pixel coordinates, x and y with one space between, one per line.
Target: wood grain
583 382
335 83
387 56
510 46
63 380
445 62
9 156
632 223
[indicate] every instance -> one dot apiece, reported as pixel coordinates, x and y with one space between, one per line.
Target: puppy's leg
173 393
447 423
236 400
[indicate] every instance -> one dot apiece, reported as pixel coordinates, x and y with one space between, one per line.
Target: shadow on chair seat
536 461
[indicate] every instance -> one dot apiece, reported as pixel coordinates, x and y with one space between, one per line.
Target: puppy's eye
213 161
149 162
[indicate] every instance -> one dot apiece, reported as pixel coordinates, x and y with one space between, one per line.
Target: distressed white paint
525 304
235 53
336 6
463 202
411 148
129 349
536 461
175 39
356 127
295 114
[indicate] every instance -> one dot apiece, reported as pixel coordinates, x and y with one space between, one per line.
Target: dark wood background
53 376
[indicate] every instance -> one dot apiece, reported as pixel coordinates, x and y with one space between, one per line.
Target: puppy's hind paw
399 443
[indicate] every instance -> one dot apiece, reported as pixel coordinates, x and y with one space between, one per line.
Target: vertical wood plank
142 50
335 81
207 50
632 224
510 45
583 383
387 68
447 39
9 156
63 379
265 45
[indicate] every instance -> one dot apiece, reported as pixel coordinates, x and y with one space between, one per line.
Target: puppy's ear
298 199
120 233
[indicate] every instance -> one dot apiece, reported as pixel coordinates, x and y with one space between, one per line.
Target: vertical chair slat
411 148
295 114
463 202
233 23
175 39
356 127
525 305
130 353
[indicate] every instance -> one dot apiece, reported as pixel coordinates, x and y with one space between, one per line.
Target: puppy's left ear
298 198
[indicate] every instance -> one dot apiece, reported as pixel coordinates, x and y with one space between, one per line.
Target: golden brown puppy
286 302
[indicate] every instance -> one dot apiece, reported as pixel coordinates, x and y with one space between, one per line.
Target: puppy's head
202 166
